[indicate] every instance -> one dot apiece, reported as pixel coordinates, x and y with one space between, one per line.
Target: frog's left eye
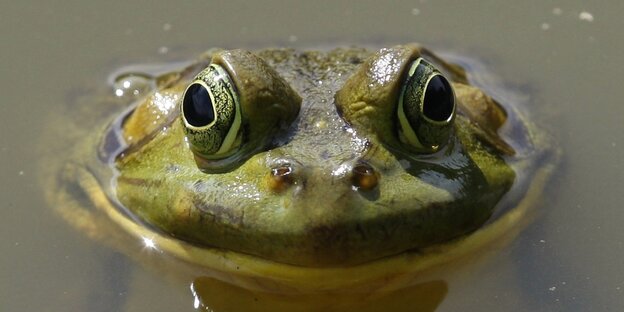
211 113
426 108
235 108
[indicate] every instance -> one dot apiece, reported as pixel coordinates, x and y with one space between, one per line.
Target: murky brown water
564 55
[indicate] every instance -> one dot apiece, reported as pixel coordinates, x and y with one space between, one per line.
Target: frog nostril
281 178
364 176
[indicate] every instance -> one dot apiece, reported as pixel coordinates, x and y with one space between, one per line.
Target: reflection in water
213 295
133 85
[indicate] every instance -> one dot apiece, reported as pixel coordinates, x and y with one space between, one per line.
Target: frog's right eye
211 114
426 108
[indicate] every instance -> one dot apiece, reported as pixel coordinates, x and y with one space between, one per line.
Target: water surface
562 56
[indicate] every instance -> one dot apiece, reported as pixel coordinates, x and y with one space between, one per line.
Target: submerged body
331 168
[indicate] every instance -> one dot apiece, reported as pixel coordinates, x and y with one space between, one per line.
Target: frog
314 168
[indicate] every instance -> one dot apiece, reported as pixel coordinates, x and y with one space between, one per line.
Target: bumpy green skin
321 219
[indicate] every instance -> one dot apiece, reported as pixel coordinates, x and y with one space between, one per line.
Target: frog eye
211 113
426 108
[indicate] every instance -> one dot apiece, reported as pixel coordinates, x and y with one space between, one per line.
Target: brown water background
565 56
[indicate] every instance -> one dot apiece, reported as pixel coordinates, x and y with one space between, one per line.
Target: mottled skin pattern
224 113
347 116
430 134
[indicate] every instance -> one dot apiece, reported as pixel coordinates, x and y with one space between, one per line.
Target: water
564 55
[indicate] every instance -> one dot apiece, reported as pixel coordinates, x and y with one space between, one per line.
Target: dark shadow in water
110 290
213 295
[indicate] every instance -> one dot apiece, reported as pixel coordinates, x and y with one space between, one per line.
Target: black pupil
197 106
439 100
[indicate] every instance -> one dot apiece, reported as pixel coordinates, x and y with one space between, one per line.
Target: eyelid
372 100
265 105
368 99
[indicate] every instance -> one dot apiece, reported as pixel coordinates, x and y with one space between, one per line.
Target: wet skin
337 157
